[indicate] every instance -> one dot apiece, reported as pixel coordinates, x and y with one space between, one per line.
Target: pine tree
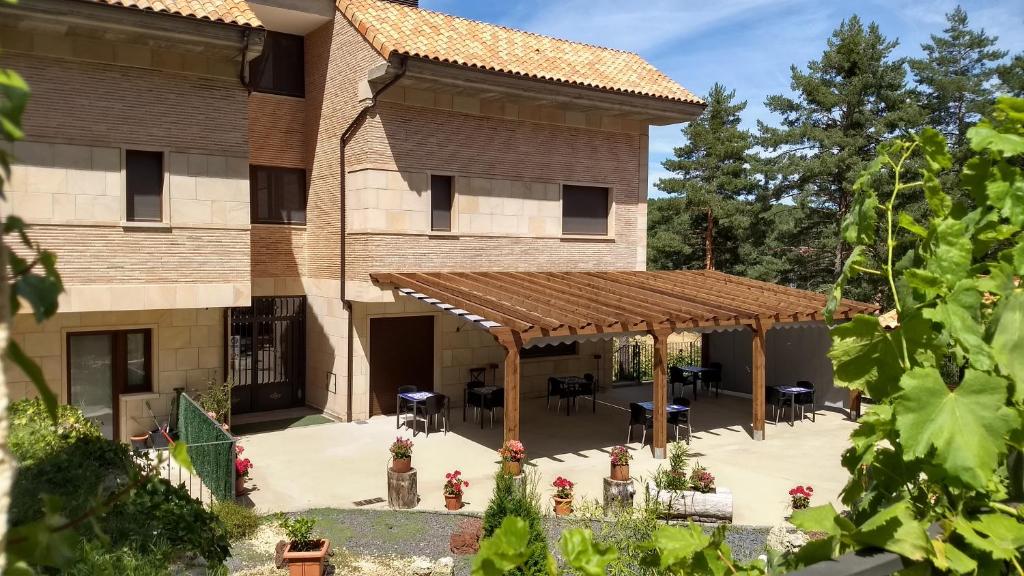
712 169
844 105
1011 77
955 80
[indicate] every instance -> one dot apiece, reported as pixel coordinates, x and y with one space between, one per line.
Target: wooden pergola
517 307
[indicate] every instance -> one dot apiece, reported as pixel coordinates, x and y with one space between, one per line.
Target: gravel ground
386 539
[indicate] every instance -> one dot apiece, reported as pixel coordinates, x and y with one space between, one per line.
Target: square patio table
695 372
482 392
791 392
649 406
573 385
414 398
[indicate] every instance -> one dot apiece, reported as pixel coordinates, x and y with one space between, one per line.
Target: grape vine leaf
951 251
1008 341
678 545
965 427
864 357
504 550
997 534
583 554
897 530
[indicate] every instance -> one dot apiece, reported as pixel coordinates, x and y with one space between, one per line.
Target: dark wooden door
401 353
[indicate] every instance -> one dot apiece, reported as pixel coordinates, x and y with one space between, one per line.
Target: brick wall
278 251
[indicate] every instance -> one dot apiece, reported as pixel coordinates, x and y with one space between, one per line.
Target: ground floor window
103 365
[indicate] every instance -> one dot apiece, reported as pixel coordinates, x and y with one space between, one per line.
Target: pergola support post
759 328
512 342
660 415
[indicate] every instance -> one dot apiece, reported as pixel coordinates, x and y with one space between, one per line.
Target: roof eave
656 110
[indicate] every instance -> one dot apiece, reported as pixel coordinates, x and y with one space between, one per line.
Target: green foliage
627 531
239 521
928 456
511 500
97 560
505 549
210 450
675 477
75 489
216 399
711 174
299 530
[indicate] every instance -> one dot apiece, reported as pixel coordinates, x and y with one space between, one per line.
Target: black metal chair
556 390
681 419
434 406
713 378
773 398
493 399
676 375
805 399
402 403
589 390
638 417
474 401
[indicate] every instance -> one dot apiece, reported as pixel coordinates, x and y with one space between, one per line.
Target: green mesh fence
211 449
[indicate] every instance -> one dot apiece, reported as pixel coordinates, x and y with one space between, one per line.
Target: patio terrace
337 464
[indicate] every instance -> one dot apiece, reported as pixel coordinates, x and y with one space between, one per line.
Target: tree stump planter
401 465
453 502
686 504
618 493
402 490
620 472
563 506
512 468
307 563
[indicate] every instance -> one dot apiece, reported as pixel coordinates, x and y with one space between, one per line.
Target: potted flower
563 496
242 467
620 463
702 481
800 497
453 485
401 455
512 455
304 553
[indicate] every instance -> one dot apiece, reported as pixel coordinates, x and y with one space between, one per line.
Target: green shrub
72 461
509 500
626 530
95 559
239 521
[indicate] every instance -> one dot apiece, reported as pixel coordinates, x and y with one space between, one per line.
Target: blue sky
747 45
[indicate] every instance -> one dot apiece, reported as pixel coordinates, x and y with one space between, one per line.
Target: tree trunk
6 460
709 242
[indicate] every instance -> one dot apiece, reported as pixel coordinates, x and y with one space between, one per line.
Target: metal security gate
266 354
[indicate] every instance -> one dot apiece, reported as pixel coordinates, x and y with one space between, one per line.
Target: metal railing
633 358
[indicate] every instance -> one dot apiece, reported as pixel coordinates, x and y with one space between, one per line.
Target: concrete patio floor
335 465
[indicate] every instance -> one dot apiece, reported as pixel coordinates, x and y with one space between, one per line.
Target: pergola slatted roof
541 304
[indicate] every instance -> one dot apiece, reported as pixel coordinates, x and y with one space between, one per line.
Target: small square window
279 69
278 195
585 210
440 203
144 184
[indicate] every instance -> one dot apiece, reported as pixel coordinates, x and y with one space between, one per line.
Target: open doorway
401 353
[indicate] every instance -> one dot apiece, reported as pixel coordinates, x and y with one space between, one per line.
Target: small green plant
679 457
299 530
216 399
675 477
239 521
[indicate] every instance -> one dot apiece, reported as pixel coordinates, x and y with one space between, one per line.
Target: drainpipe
251 48
347 135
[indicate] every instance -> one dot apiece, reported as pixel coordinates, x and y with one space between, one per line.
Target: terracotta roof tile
226 11
394 28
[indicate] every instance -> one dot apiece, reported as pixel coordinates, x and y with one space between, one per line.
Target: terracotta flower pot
401 465
620 472
307 563
239 485
563 506
513 468
453 502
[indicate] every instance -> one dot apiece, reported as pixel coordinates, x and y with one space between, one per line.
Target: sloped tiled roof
393 28
226 11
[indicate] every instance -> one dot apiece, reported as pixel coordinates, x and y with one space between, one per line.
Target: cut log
686 504
618 494
402 493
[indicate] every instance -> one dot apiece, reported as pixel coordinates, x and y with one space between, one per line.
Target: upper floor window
278 195
440 203
585 210
144 185
279 68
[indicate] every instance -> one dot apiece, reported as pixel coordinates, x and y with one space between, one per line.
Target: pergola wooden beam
660 415
758 377
512 342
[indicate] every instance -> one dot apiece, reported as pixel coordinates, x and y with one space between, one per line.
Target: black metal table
573 386
790 392
696 373
483 392
413 398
